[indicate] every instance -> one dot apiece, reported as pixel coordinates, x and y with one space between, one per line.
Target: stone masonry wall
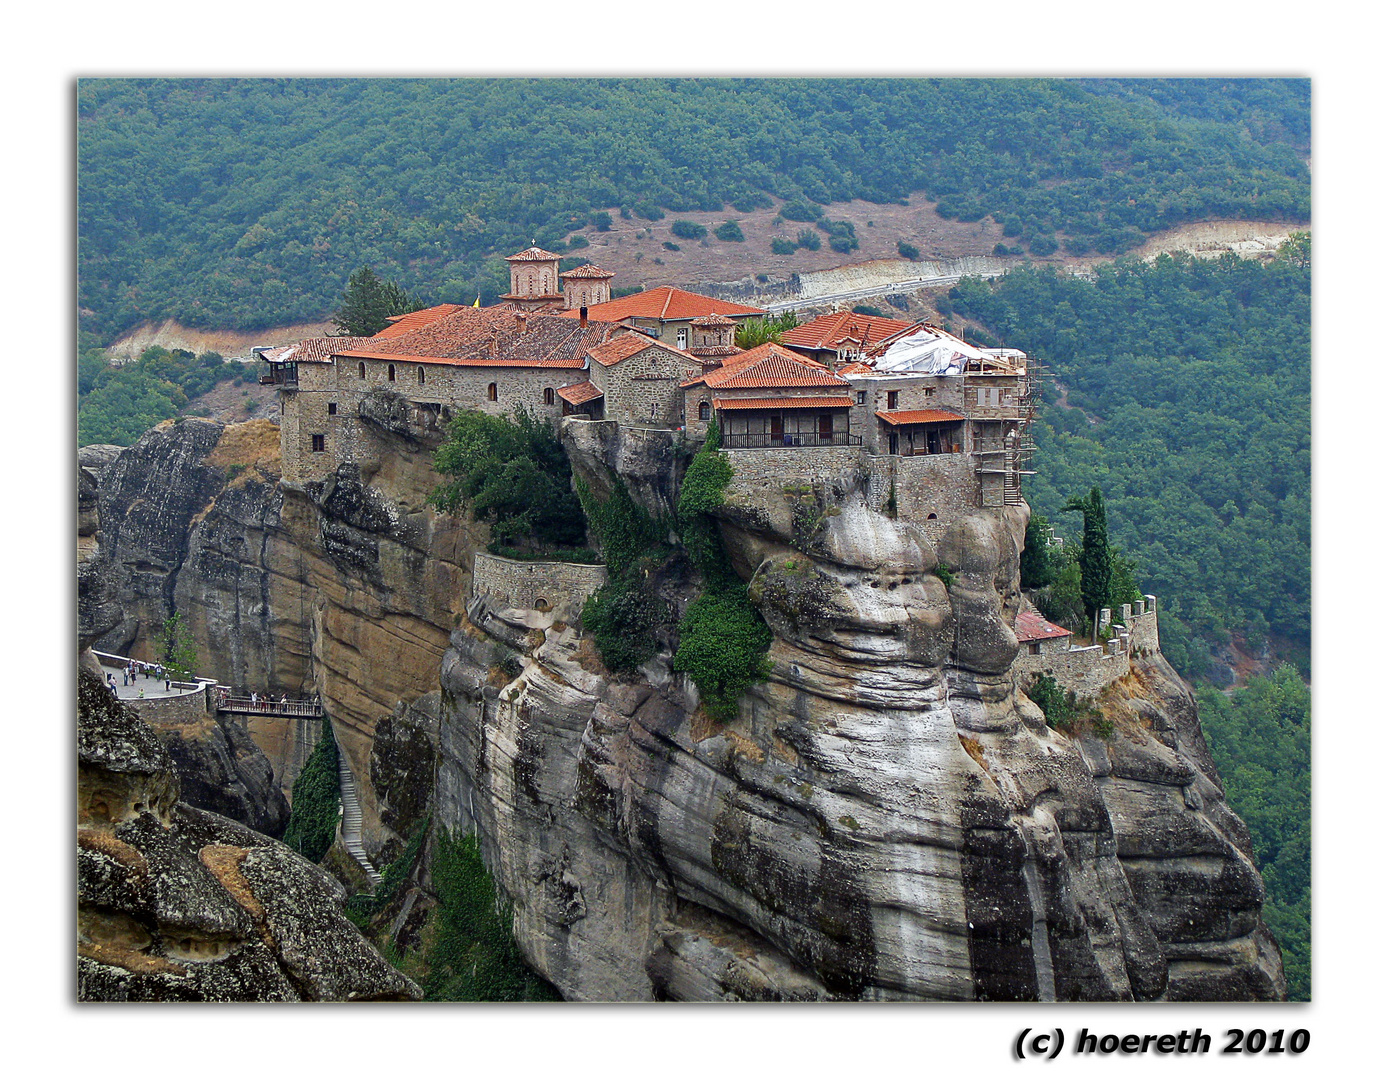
645 389
1089 670
757 471
563 586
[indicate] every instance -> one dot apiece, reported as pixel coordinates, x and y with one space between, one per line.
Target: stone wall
645 388
186 708
1090 669
755 472
558 587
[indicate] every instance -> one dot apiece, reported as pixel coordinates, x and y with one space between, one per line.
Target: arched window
549 395
420 372
362 370
390 372
704 410
491 391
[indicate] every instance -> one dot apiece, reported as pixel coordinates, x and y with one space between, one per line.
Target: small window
390 372
419 371
704 410
1034 648
320 443
362 370
862 396
549 395
892 399
930 391
491 391
332 408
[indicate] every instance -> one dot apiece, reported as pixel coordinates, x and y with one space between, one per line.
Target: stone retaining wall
558 587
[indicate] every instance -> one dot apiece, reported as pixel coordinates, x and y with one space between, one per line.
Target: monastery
939 425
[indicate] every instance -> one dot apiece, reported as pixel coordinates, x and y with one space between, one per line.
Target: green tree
313 813
176 645
368 304
514 475
1095 568
754 332
1036 563
729 232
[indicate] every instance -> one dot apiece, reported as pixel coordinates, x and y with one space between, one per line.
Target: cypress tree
1095 566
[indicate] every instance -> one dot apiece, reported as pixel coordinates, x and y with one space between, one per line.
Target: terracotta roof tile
404 324
630 343
829 331
314 350
580 393
534 254
588 270
1031 626
665 302
918 416
734 404
713 319
767 367
494 336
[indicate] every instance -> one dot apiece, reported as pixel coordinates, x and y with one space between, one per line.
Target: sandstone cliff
177 904
347 588
888 816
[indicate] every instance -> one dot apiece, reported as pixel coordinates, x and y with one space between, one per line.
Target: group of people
134 670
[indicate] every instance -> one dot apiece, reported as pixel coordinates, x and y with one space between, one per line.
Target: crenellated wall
1089 669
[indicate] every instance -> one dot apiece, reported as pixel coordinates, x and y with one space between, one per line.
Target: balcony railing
766 440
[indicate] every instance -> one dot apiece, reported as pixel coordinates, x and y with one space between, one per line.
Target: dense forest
1187 401
1261 738
247 203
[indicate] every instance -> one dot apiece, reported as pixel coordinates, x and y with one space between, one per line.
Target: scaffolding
1002 468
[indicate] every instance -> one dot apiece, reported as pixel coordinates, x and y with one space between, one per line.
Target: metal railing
766 440
268 707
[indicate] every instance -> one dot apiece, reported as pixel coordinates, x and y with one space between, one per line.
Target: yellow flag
478 302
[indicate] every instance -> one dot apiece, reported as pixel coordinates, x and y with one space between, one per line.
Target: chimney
520 322
583 316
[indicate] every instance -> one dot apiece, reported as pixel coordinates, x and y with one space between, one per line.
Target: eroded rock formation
178 904
887 817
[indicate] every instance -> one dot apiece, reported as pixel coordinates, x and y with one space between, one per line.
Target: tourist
253 699
111 682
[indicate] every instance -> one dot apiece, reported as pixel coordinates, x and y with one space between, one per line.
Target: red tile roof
919 416
579 393
534 254
829 331
403 324
588 270
727 404
314 350
713 319
628 344
767 367
858 367
1031 626
665 302
490 337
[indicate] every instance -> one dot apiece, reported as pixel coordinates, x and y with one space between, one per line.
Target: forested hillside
1188 403
247 203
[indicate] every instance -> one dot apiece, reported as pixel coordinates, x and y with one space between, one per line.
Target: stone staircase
350 826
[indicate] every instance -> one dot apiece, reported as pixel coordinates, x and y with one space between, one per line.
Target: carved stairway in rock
351 824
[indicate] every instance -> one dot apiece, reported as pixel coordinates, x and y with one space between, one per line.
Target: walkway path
352 819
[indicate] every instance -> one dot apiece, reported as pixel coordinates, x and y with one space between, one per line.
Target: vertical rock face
347 588
177 904
888 817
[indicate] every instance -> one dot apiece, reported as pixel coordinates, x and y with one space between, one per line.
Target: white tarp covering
931 352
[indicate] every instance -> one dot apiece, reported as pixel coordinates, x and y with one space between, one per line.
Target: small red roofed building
768 397
1037 635
840 337
711 339
640 380
668 313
